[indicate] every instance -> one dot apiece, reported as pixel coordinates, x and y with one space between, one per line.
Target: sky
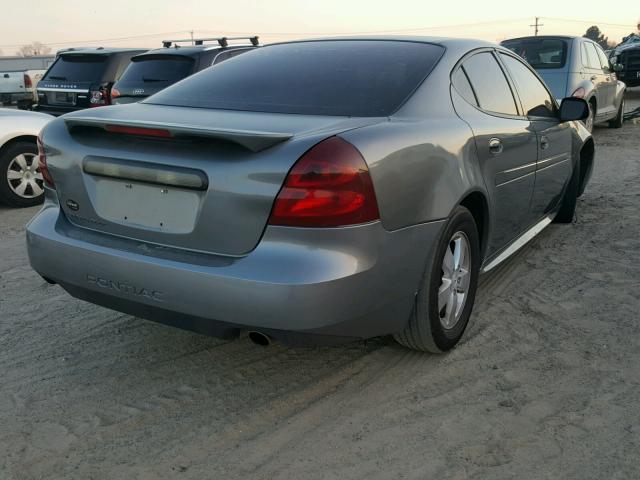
67 23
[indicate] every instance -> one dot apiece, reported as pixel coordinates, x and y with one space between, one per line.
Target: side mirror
573 108
618 67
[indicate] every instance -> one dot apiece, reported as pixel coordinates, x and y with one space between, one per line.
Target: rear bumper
15 96
299 285
56 111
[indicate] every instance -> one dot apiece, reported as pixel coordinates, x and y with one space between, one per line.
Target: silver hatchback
576 67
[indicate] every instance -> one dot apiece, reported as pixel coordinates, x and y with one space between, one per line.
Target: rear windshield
344 78
164 69
77 68
540 52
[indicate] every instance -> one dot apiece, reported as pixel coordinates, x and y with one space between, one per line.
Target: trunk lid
209 187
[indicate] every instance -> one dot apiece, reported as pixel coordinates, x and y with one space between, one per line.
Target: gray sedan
313 192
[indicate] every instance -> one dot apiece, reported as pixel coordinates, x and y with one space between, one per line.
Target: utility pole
537 25
191 32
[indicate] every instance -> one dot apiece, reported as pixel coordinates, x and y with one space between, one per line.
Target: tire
17 159
570 198
619 120
426 330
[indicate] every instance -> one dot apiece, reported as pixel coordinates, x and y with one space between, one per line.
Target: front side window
535 98
489 84
604 61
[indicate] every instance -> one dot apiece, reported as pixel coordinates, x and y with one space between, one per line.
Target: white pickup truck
19 87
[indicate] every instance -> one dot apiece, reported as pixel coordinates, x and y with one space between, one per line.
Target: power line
591 22
373 32
80 42
302 34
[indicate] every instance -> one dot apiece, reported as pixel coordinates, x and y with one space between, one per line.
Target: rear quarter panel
423 161
421 169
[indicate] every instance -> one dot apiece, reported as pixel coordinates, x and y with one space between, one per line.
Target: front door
553 165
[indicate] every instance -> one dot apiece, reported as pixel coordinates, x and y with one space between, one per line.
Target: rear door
506 144
11 83
594 73
553 167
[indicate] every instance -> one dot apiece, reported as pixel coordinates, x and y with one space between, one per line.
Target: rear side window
346 78
461 84
489 84
78 68
540 52
535 99
590 56
149 69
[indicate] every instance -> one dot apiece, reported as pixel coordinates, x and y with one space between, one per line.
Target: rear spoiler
251 140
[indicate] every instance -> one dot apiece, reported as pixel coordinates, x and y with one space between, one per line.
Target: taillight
99 98
329 186
27 81
42 164
115 93
579 93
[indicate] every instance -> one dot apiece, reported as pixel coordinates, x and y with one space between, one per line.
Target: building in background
17 64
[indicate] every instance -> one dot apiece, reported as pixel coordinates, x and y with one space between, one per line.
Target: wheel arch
586 157
477 203
17 139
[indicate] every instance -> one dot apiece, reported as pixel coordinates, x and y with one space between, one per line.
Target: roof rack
222 41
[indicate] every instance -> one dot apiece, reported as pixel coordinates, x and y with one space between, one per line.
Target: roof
190 51
444 41
101 51
567 37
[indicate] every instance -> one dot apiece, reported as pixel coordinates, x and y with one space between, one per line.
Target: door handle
544 143
495 146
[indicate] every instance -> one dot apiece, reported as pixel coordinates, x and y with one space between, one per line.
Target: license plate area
152 207
61 98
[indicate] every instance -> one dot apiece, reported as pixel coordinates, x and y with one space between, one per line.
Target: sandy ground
545 385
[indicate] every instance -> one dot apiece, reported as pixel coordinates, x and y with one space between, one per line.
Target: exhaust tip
260 338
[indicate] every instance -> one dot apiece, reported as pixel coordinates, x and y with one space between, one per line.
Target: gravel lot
546 383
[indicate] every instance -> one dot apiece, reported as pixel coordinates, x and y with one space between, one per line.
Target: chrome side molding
525 238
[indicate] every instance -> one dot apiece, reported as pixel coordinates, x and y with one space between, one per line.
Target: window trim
533 71
516 100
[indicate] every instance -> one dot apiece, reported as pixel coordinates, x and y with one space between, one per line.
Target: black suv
82 78
154 70
627 55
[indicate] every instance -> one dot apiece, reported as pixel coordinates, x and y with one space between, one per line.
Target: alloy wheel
24 177
456 276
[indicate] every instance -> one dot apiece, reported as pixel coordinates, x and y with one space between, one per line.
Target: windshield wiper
146 79
53 77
